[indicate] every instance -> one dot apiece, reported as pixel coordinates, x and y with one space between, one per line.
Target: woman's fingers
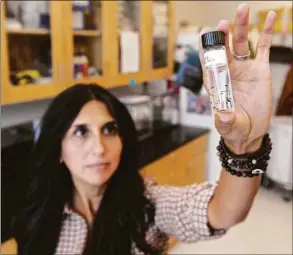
240 36
265 39
223 26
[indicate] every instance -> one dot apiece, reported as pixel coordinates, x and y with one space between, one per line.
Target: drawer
159 170
165 171
195 169
173 168
191 150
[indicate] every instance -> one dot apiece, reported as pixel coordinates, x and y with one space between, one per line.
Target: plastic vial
218 75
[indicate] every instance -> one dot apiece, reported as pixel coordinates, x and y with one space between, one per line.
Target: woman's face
91 148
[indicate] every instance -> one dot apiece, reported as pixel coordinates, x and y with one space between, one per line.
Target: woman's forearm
234 195
232 200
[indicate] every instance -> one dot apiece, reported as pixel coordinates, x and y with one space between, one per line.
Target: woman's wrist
245 161
244 147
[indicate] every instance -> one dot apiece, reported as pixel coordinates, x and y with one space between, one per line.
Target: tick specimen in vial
218 75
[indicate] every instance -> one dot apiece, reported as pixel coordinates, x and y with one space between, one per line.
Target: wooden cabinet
85 40
58 36
165 171
183 166
162 38
23 48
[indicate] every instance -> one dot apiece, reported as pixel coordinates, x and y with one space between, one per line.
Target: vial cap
213 38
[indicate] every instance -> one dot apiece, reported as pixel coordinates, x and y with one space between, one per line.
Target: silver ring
241 57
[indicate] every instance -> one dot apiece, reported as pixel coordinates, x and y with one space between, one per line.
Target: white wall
208 13
189 11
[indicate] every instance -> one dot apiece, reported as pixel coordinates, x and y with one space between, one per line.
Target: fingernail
222 21
241 6
205 30
271 13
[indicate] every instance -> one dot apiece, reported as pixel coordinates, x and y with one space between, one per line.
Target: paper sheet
130 49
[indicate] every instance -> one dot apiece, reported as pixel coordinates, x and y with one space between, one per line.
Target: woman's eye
111 129
81 131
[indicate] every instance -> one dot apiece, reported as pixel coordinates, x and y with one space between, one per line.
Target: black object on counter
190 73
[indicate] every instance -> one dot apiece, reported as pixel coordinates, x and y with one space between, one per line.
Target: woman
86 195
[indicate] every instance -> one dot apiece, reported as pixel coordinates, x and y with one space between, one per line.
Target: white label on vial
215 57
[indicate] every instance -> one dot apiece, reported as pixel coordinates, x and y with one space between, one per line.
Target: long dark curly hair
125 213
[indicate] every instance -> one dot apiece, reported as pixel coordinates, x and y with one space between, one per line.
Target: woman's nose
99 146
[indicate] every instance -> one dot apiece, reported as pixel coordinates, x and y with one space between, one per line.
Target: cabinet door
166 171
192 159
30 50
160 171
177 171
163 39
84 41
127 59
195 169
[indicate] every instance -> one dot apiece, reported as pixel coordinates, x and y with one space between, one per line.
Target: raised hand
243 129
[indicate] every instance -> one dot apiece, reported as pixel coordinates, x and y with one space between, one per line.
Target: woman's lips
98 166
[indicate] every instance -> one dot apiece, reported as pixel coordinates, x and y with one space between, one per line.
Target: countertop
166 140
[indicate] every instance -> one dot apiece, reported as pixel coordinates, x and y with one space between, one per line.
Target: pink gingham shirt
181 212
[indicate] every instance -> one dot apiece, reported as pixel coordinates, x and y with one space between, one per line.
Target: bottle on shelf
81 63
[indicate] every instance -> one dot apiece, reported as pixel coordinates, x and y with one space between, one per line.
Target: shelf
87 33
29 31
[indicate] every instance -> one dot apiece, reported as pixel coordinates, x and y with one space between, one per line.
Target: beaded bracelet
251 164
